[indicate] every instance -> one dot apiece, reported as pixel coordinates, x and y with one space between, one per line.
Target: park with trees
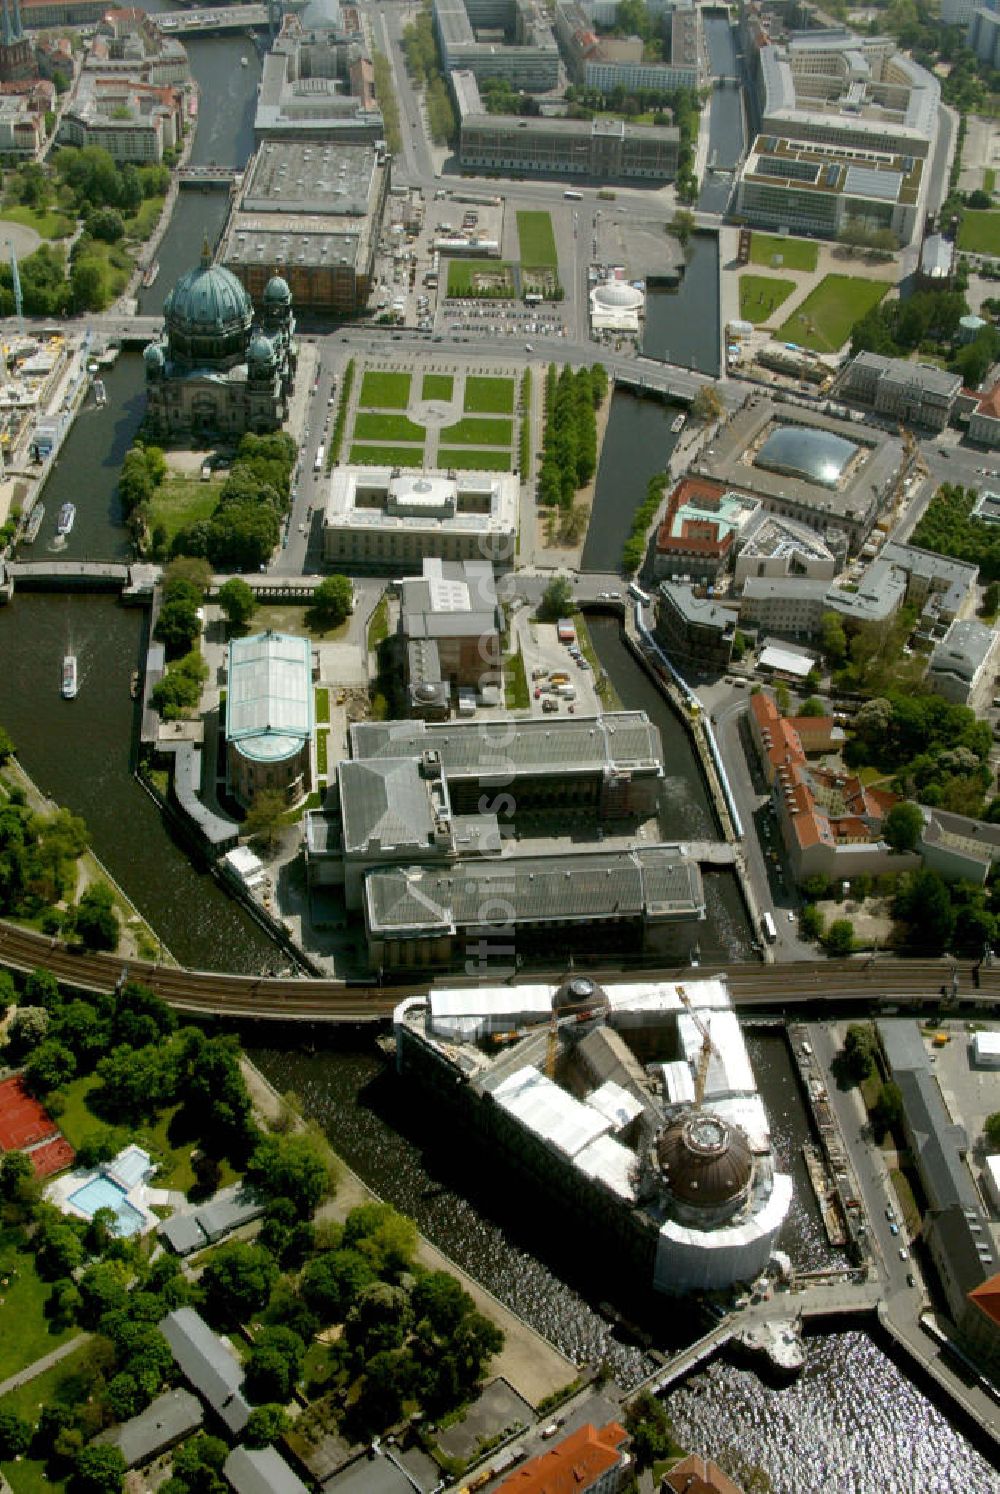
335 1306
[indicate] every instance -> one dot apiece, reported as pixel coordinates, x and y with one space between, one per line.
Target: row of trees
947 528
423 60
245 526
927 320
569 448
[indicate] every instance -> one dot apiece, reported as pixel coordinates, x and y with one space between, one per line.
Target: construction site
633 1106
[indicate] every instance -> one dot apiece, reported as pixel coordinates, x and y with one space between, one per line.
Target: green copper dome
277 291
208 316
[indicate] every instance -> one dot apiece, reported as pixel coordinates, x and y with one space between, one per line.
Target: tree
198 1461
178 625
647 1421
332 601
386 1238
557 600
706 405
887 1112
106 224
782 697
96 921
49 1067
839 937
291 1167
265 1425
7 748
25 1030
811 921
331 1282
103 1288
237 601
380 1319
100 1469
15 1435
238 1280
854 235
903 826
811 707
682 224
991 1128
859 1051
833 639
274 1365
263 818
924 904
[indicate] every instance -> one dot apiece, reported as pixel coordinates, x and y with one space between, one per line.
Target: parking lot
544 656
498 319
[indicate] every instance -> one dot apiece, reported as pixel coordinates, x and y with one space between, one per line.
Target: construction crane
708 1048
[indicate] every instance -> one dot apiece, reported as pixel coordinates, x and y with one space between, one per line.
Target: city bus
320 453
768 928
573 196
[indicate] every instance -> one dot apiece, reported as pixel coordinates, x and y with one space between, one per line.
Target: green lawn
474 461
146 219
475 431
796 254
761 295
322 744
437 386
25 1334
68 1383
29 1477
180 501
78 1123
322 706
385 391
515 680
537 241
461 273
50 224
979 232
484 396
824 320
387 456
387 428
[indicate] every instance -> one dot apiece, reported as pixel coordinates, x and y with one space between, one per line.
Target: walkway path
14 1382
528 1361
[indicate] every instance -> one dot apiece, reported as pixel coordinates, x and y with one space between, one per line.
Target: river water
853 1422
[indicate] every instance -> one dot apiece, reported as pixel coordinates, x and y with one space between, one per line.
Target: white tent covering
608 1162
986 1048
550 1112
747 1112
729 1071
246 866
657 997
615 1104
471 1014
678 1082
689 1259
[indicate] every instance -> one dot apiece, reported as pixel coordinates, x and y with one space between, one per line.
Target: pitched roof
695 1475
165 1421
261 1471
574 1465
207 1364
987 1298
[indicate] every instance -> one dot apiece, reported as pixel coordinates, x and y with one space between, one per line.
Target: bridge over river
303 998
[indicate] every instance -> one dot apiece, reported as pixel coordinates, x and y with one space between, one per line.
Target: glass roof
816 456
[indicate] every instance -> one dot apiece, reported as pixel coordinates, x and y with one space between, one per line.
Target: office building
131 120
605 63
695 631
311 212
605 149
316 86
387 520
590 1460
961 666
509 39
770 546
449 629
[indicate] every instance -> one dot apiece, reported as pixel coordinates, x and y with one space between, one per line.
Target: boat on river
679 423
133 685
34 523
150 274
69 677
244 62
65 519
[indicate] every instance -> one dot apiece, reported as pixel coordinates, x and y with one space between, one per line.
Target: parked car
550 705
894 1228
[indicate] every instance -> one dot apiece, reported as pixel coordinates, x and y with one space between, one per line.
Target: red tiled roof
696 1475
987 1298
990 403
574 1465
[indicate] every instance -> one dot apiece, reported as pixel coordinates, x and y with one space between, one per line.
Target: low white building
962 661
616 306
986 1050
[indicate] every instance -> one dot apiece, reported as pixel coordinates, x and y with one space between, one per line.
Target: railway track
306 999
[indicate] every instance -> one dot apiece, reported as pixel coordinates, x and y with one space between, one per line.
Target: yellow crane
708 1048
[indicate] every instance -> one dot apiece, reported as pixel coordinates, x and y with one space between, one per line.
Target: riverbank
138 939
533 1366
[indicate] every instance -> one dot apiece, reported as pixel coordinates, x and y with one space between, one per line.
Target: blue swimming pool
102 1193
